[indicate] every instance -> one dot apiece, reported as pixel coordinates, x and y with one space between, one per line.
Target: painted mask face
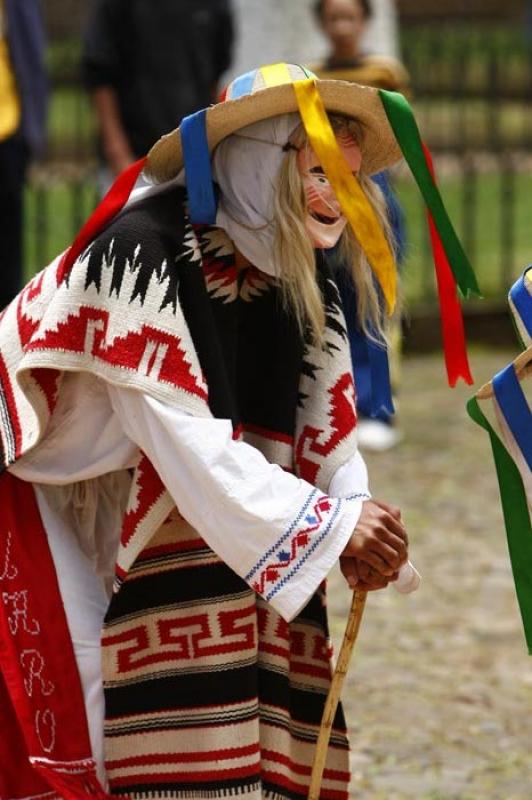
325 221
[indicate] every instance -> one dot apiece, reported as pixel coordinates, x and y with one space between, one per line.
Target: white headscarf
245 166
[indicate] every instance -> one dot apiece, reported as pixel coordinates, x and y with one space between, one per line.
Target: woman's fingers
393 510
389 548
349 569
379 538
362 577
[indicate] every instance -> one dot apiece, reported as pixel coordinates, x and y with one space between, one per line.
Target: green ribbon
404 126
516 519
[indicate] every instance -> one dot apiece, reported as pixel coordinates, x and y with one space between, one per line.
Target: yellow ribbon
352 198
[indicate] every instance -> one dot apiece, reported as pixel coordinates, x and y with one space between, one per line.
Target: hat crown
265 77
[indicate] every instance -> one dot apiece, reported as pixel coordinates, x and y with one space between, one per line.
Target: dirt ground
439 693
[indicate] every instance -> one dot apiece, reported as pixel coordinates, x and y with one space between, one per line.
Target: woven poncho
209 692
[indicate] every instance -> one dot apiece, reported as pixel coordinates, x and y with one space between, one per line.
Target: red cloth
45 743
111 205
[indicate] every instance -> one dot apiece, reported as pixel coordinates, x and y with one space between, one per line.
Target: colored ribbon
371 370
515 410
352 198
454 345
406 132
197 161
516 519
110 206
521 300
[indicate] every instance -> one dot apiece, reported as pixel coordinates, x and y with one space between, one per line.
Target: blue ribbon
515 410
197 160
371 370
522 301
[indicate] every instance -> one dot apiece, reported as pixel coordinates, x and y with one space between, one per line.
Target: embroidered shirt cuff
290 572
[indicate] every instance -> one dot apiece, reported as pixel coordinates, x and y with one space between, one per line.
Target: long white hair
293 248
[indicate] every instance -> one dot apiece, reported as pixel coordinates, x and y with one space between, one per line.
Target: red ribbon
111 205
454 344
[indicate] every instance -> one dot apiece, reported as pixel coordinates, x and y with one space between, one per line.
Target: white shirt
242 505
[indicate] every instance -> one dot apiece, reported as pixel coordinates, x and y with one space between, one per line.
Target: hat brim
379 147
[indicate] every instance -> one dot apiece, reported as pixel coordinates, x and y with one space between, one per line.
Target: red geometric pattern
150 350
184 638
145 493
342 416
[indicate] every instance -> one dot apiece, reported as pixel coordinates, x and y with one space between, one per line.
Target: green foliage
54 214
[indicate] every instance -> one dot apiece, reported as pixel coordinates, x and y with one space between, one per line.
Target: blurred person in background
23 95
345 24
148 65
381 34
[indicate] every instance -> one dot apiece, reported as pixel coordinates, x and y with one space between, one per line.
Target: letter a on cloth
42 713
502 409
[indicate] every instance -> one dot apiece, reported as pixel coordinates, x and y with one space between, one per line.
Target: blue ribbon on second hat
522 299
515 409
197 160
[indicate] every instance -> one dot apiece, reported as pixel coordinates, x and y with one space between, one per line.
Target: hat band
516 518
198 171
515 410
454 344
521 302
403 124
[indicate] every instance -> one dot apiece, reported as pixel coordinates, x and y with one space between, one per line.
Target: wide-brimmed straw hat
254 97
390 132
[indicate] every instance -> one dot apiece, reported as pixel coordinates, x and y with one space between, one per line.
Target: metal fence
471 89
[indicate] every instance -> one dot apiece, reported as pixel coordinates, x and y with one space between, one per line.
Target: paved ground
439 695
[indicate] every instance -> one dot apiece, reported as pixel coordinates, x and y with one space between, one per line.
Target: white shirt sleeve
278 532
350 478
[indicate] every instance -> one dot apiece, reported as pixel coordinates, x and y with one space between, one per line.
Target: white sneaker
373 434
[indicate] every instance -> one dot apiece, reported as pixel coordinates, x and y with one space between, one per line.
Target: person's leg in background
13 164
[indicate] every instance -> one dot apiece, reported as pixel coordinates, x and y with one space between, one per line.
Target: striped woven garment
209 692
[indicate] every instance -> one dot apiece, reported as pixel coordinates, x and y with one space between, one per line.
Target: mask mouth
325 220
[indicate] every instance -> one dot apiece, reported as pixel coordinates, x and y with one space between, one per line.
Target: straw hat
252 97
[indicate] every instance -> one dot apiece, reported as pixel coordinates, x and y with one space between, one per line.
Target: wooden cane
331 704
